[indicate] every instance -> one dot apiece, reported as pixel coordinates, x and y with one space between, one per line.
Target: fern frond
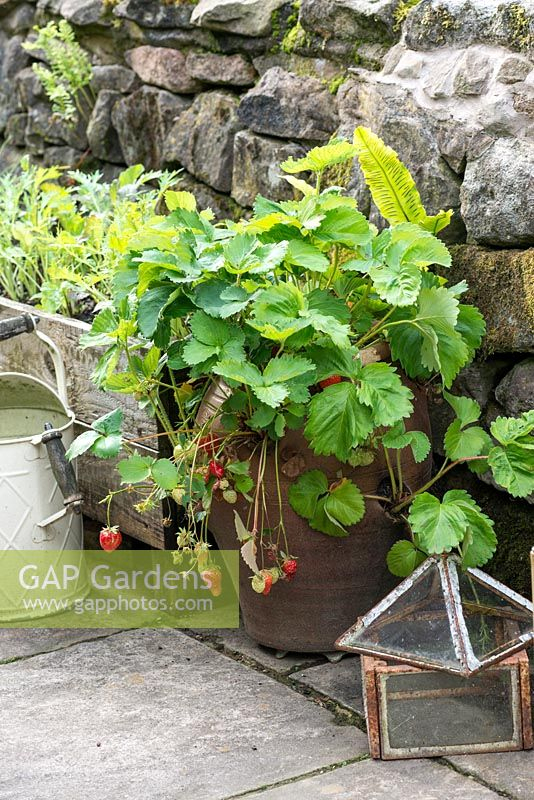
320 158
436 223
392 187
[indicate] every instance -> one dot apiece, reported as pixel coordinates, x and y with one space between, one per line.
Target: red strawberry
213 578
330 381
216 469
289 567
110 538
268 582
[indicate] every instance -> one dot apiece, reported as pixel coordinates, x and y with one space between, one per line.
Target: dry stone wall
226 89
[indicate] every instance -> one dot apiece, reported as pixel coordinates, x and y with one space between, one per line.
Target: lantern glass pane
428 709
494 621
416 626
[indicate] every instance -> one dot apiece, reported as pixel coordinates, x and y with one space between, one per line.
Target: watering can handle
27 323
12 326
62 469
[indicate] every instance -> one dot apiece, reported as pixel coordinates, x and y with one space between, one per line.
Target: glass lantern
461 682
444 618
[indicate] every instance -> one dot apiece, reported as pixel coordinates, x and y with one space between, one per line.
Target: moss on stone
401 12
501 284
334 84
517 21
283 27
438 21
294 37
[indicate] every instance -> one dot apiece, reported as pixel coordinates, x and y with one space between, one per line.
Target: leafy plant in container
297 346
64 233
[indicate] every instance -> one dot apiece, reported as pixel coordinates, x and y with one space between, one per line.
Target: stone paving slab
23 642
382 780
342 682
158 714
237 640
511 773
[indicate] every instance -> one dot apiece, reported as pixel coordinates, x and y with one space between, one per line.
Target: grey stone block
202 139
292 107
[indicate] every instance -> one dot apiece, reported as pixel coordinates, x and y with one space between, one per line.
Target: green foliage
69 69
512 459
397 438
403 557
462 439
263 327
104 438
328 509
61 244
392 187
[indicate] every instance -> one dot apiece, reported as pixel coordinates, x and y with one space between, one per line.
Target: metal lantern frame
379 700
358 638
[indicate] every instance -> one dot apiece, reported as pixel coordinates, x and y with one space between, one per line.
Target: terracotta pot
337 579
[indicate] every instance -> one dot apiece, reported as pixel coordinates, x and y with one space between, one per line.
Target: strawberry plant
265 326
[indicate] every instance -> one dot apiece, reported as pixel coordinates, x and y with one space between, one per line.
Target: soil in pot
338 579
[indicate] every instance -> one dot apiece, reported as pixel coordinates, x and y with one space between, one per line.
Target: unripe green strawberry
230 496
213 578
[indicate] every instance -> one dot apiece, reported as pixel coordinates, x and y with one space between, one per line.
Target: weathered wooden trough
27 354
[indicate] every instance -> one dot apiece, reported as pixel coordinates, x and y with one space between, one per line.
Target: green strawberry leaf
152 305
471 327
338 421
465 443
110 422
424 339
220 299
334 361
345 503
323 522
305 492
479 541
262 417
439 525
285 368
397 284
403 558
240 372
304 254
82 444
397 438
344 225
513 467
511 430
273 395
380 388
107 446
466 409
135 468
164 474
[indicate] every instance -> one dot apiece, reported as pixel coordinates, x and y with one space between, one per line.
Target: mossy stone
501 285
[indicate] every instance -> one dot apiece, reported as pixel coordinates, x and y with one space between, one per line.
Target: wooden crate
25 353
444 714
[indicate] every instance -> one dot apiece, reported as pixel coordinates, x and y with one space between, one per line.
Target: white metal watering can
39 500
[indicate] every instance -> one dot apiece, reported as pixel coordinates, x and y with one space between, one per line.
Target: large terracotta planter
337 579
